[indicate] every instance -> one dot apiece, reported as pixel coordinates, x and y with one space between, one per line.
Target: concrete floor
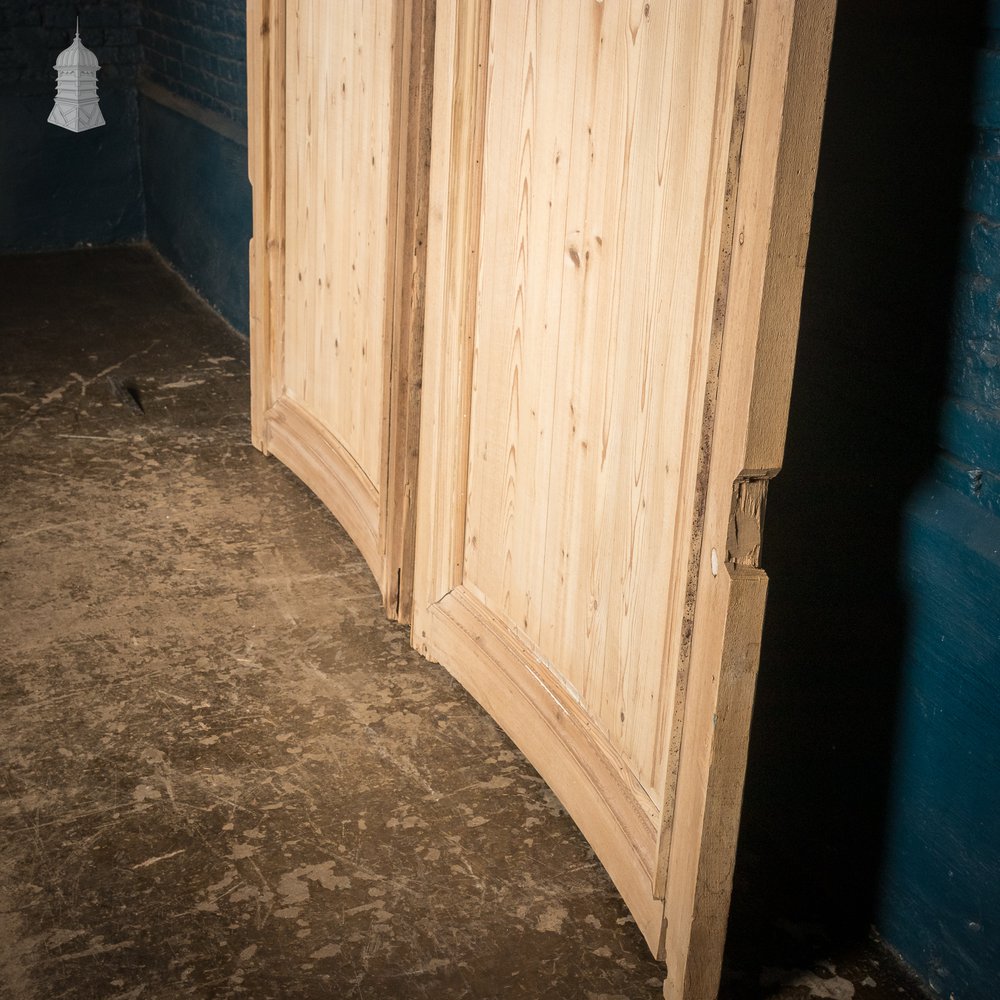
222 772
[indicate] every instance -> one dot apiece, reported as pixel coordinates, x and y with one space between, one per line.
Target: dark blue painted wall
197 50
198 208
941 881
193 140
873 789
59 189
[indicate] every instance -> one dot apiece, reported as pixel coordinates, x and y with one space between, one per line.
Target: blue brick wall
197 50
198 217
32 34
59 189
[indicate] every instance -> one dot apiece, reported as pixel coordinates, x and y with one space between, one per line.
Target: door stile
456 180
266 20
376 507
404 359
785 100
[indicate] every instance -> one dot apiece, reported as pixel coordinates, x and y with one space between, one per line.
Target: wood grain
460 62
405 336
616 224
339 206
776 178
584 771
266 165
339 150
600 213
605 173
300 441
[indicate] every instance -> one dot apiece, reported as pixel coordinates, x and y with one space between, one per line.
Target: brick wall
193 99
60 189
32 34
970 427
197 50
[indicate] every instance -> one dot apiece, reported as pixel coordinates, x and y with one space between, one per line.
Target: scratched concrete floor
224 774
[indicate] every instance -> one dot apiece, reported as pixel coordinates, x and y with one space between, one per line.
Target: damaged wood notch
746 521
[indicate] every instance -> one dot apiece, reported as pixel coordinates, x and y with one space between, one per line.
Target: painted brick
198 51
970 424
976 307
981 247
891 476
969 481
95 176
986 112
199 217
58 15
972 433
33 33
942 879
983 192
975 373
127 38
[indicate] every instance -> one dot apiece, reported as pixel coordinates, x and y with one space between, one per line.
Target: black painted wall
60 189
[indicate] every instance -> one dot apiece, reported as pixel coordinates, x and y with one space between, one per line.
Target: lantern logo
76 106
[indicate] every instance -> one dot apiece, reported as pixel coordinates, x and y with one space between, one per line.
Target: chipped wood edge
787 87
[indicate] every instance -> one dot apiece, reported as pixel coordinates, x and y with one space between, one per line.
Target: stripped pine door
616 225
619 202
340 102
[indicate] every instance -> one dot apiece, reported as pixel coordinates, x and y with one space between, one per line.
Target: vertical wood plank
602 194
412 158
266 160
338 258
342 204
791 43
461 46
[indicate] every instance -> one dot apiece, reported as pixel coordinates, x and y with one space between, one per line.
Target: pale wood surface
461 57
339 157
414 80
579 353
604 227
339 66
301 442
266 162
557 735
600 216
